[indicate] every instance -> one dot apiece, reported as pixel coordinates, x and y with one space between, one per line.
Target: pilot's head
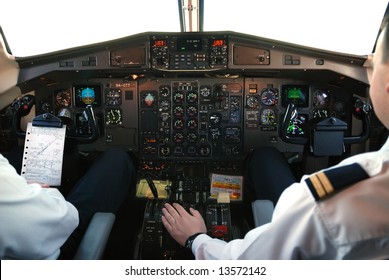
378 73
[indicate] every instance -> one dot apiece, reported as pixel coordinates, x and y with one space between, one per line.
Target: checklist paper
43 154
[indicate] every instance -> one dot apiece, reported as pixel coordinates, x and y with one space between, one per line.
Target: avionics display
189 44
298 125
87 95
298 95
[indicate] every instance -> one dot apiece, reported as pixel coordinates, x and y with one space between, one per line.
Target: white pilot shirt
352 224
34 221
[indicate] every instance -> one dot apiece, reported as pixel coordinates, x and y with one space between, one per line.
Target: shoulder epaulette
326 182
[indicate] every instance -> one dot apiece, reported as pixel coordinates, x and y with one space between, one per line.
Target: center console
156 243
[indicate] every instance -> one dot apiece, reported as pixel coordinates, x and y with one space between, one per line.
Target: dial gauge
164 91
113 116
252 102
321 98
178 97
269 96
191 97
268 117
191 111
113 97
63 98
178 111
205 91
164 105
46 107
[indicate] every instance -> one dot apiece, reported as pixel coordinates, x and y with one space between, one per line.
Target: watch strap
189 241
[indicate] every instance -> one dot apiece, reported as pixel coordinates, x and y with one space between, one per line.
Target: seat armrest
93 243
262 211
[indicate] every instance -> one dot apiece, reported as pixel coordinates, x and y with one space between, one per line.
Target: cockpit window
37 27
342 26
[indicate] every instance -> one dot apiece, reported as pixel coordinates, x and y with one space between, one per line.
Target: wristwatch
189 241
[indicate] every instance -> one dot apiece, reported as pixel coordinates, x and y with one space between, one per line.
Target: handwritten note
43 154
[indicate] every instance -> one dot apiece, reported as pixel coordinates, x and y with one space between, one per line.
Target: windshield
36 27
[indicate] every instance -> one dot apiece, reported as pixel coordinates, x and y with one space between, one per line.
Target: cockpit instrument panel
87 94
189 52
298 95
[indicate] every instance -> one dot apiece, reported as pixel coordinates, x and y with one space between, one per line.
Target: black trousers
108 182
268 173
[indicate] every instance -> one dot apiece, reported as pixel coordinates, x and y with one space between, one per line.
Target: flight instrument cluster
194 99
186 118
191 118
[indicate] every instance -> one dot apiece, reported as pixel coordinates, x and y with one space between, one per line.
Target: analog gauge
252 102
268 117
192 137
178 137
164 105
46 107
269 96
320 113
164 116
164 91
205 150
63 98
178 111
164 150
205 91
178 97
191 97
148 98
178 124
191 111
113 97
191 124
321 98
113 116
64 113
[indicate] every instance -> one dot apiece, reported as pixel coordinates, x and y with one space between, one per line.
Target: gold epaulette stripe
317 185
326 182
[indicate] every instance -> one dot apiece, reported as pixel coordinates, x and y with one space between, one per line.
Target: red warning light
218 43
159 43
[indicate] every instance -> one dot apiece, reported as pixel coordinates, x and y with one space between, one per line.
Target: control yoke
22 107
326 136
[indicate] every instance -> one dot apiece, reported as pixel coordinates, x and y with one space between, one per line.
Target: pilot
338 213
37 222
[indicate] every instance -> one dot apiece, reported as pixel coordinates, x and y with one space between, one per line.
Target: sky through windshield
40 26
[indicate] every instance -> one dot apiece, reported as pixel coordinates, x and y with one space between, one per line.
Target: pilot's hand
45 186
180 223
